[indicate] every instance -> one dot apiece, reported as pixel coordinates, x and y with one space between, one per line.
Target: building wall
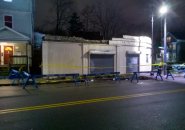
16 5
66 57
91 47
22 15
140 45
60 57
180 49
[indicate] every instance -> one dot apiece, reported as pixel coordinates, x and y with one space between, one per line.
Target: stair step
4 71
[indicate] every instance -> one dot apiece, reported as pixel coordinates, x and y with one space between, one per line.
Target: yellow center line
88 101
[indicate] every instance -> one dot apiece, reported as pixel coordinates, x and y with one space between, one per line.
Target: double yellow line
80 102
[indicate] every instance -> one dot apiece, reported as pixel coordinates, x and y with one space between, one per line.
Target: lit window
8 0
8 21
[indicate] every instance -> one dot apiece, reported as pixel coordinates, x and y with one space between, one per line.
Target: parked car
178 67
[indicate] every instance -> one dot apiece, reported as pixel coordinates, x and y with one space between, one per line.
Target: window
8 21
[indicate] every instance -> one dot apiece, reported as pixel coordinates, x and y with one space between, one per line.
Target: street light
163 11
152 39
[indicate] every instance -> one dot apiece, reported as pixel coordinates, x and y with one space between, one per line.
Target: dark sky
134 13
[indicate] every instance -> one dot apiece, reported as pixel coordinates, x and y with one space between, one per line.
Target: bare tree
62 14
107 17
87 17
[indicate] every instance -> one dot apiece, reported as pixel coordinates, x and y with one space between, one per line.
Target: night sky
136 15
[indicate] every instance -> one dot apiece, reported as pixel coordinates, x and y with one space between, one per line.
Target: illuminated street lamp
163 11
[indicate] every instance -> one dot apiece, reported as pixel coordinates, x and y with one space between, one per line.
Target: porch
15 50
17 62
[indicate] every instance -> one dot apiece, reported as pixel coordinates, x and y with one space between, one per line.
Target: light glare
8 0
163 9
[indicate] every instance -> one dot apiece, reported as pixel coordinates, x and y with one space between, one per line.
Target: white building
123 55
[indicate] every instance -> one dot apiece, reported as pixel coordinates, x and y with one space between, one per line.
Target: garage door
132 63
101 63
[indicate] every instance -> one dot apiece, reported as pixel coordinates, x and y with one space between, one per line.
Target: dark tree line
100 19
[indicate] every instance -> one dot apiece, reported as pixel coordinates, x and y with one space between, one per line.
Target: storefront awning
133 52
101 52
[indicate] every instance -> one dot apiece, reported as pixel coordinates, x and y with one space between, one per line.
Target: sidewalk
8 82
5 82
7 90
177 79
12 91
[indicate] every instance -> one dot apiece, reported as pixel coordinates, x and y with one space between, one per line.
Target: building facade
16 32
124 55
175 50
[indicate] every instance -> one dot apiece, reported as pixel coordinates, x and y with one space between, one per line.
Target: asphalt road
109 105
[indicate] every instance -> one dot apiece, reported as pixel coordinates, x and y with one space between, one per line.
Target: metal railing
19 60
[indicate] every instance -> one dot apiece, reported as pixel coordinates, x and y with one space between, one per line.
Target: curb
39 83
62 81
12 96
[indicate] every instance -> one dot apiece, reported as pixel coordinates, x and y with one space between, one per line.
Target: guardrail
19 60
